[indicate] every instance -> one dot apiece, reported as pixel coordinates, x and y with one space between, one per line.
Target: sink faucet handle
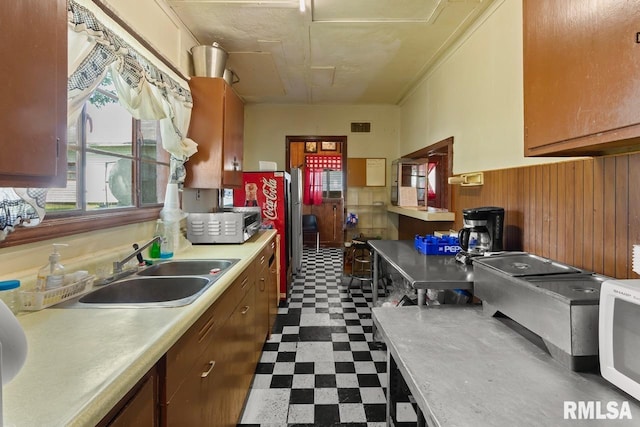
139 254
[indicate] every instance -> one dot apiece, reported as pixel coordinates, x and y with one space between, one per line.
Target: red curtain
312 194
314 166
431 192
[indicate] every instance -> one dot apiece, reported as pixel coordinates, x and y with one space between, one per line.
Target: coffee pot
482 232
475 239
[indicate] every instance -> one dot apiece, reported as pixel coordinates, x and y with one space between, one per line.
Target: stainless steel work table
421 271
466 369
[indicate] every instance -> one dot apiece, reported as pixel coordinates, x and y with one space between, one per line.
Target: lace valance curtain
144 90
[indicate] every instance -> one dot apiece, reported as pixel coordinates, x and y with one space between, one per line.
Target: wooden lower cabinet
204 379
203 398
266 287
274 294
242 329
139 407
208 372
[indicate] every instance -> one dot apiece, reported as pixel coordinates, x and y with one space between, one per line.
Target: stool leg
317 242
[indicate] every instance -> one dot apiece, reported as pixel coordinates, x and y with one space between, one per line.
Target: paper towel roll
171 200
13 344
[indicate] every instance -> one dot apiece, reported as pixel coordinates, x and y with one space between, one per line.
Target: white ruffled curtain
145 91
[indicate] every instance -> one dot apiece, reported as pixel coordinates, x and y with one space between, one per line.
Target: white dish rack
37 300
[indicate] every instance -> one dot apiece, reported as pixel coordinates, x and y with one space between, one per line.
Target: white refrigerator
296 220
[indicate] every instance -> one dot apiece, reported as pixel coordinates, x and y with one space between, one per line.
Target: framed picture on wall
329 146
310 147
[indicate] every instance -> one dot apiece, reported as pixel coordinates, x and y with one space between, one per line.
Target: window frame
51 228
442 153
65 223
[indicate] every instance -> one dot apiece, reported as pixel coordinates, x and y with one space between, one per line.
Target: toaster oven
234 226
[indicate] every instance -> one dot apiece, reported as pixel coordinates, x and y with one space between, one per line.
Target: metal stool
361 269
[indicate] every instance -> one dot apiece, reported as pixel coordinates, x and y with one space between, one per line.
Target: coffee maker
482 232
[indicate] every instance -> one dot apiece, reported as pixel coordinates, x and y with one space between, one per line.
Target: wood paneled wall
584 213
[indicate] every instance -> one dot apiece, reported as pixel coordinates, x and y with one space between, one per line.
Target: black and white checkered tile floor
321 366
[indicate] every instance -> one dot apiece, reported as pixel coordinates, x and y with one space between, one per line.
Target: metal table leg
374 285
374 288
422 296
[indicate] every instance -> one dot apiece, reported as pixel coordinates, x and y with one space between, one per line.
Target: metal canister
209 60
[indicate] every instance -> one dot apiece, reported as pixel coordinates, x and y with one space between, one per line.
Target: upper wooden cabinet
581 85
363 172
33 104
217 126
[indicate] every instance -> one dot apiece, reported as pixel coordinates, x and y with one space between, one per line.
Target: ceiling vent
360 127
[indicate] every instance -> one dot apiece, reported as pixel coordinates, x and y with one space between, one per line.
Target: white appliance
296 219
619 334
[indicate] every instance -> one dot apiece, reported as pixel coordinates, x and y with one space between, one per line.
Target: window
331 184
427 170
114 160
322 178
117 172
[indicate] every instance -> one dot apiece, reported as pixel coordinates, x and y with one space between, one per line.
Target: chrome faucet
117 265
118 272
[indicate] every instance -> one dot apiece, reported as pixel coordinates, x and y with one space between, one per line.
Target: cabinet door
187 351
33 104
204 168
581 72
273 284
263 280
356 172
141 410
242 338
139 407
233 139
195 403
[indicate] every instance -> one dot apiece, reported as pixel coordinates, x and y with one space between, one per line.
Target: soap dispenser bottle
154 250
51 275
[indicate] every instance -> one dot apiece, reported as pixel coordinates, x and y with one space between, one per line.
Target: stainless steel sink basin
168 284
193 267
149 290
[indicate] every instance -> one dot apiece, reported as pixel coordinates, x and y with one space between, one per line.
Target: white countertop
81 362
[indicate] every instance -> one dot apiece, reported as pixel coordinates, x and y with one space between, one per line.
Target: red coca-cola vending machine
281 211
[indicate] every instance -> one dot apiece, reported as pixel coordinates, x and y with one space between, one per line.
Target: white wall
267 126
157 24
474 94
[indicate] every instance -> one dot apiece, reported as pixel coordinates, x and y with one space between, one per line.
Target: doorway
323 162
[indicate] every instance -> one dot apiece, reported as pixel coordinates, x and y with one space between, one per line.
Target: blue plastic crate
432 245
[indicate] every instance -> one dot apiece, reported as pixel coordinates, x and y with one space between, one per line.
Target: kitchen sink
167 284
148 290
192 267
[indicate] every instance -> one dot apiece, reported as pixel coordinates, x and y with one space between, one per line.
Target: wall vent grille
360 127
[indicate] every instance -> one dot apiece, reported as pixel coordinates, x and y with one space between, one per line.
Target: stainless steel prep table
421 271
466 369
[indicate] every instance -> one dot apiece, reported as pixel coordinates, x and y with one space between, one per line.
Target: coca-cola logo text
270 205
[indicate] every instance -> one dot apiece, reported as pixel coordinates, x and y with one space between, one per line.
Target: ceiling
335 52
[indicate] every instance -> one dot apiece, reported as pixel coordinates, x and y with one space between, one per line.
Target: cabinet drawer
192 403
182 356
243 283
263 259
